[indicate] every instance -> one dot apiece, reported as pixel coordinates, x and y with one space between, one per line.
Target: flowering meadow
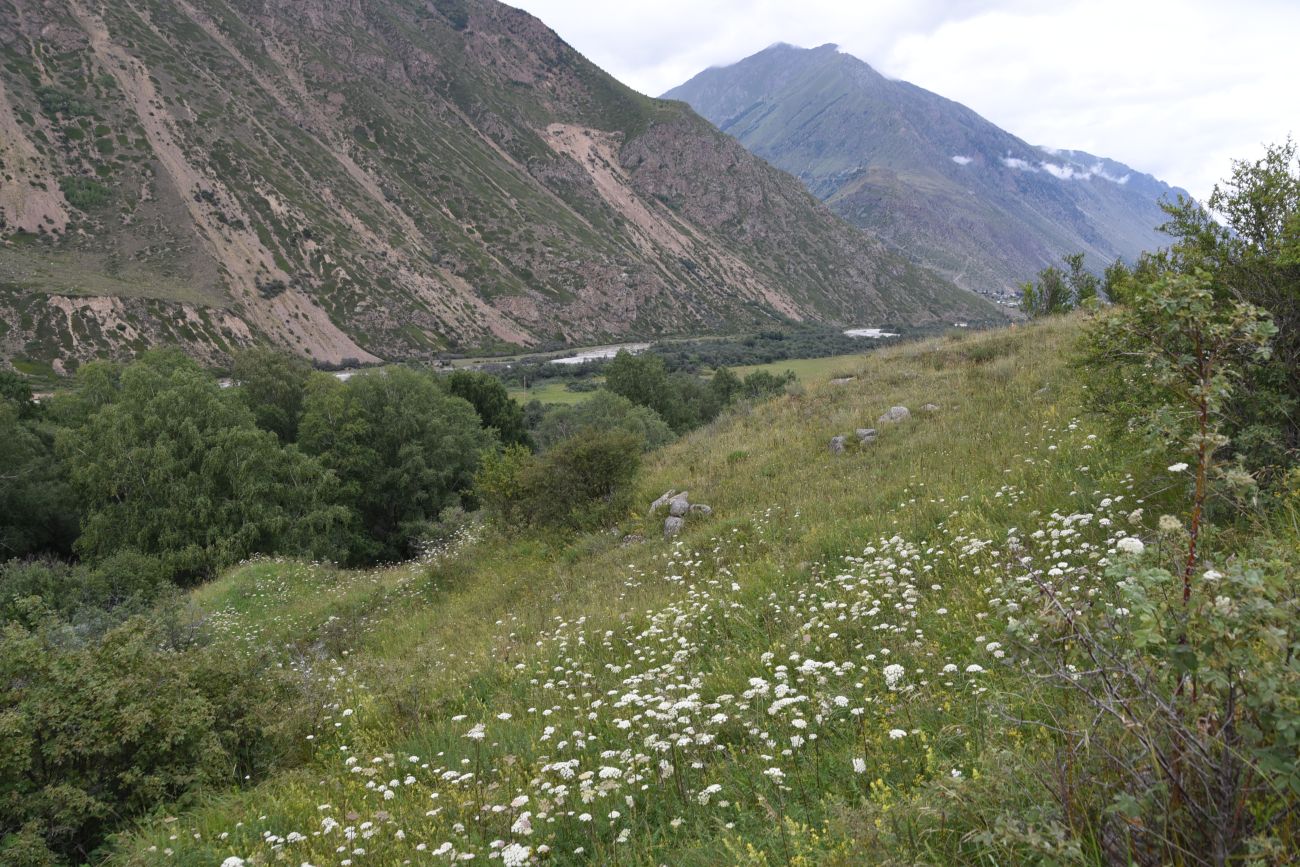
828 670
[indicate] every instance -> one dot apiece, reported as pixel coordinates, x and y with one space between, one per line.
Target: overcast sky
1176 88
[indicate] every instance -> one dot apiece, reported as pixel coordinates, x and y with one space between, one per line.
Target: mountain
940 182
384 179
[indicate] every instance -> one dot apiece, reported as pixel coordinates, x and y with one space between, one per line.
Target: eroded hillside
385 179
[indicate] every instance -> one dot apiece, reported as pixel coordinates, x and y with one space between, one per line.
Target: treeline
156 459
702 355
143 479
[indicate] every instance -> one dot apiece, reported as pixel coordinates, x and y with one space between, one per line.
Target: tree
272 385
496 409
604 411
1057 291
682 400
725 385
1252 254
1173 358
37 513
403 448
17 392
171 466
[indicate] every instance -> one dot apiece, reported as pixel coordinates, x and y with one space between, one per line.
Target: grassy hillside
720 698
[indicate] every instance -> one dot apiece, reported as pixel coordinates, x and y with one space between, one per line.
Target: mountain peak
953 190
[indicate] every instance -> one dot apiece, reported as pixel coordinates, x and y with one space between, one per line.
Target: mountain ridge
389 180
927 173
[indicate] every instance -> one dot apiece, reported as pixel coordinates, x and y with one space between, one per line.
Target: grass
551 391
810 369
635 699
61 272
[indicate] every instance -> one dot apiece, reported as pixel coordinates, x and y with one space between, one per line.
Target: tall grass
632 697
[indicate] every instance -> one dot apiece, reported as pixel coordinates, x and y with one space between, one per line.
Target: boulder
866 435
673 526
701 509
895 414
930 407
662 501
678 506
837 445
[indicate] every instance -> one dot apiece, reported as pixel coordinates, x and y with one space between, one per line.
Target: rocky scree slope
941 183
389 179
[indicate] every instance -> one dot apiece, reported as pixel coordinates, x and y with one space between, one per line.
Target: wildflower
233 861
974 668
515 855
1177 468
477 733
1131 545
775 773
893 674
859 765
1212 575
895 734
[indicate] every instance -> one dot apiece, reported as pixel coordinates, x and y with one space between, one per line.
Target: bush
1058 291
680 399
97 735
91 597
582 483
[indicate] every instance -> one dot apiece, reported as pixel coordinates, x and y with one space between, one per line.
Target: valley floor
805 676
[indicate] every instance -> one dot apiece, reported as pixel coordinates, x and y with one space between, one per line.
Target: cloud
1173 87
961 160
1019 164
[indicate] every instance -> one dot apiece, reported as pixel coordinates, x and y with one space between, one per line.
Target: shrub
91 597
96 735
582 483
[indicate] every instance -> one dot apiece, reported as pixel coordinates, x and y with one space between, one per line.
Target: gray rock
632 539
866 435
895 414
673 526
677 506
837 445
701 509
842 380
930 407
662 501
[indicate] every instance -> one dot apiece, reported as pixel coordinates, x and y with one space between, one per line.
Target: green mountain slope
940 182
614 684
388 179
